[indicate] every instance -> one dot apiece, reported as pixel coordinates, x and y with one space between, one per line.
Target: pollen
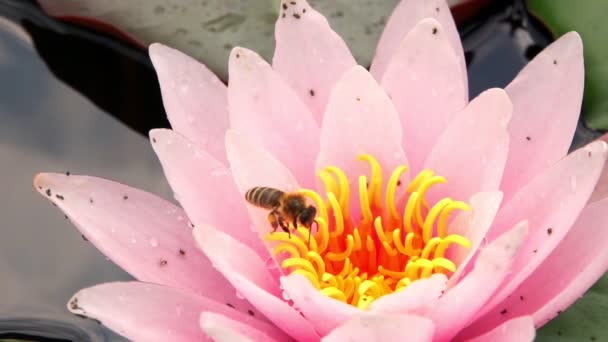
396 239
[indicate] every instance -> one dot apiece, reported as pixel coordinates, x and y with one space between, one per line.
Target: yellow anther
429 223
375 186
349 288
401 284
357 237
370 288
285 247
410 208
444 263
411 242
329 182
346 268
311 277
380 230
366 211
334 293
389 250
344 197
317 261
299 263
448 240
365 301
430 247
445 214
284 237
371 248
309 237
343 255
415 183
398 241
338 218
426 184
389 273
323 232
391 190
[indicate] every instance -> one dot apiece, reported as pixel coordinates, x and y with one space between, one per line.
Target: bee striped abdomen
264 197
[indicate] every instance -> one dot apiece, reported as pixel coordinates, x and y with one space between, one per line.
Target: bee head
307 216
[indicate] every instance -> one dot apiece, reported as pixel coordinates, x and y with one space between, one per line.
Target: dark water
48 126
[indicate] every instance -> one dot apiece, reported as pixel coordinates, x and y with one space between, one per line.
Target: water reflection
46 126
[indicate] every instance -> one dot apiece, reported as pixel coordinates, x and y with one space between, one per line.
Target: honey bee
284 207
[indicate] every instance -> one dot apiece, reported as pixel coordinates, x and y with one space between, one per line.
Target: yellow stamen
383 252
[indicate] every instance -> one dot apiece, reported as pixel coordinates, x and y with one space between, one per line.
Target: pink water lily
438 219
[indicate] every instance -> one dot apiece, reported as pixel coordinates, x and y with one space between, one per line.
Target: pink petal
551 202
152 312
474 225
309 55
144 234
266 110
274 308
419 294
547 96
323 312
204 187
424 80
519 329
405 16
601 188
194 98
360 118
383 328
253 166
221 328
455 309
576 264
472 151
229 255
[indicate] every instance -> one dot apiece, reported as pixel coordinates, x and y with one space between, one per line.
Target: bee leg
272 218
284 226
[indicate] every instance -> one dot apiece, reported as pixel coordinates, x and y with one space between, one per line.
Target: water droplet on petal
239 295
285 295
153 242
133 240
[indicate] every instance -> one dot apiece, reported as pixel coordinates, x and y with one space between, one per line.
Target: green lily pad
589 19
583 321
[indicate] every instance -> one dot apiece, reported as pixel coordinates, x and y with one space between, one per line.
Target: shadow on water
48 126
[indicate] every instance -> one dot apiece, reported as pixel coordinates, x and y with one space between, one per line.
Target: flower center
385 250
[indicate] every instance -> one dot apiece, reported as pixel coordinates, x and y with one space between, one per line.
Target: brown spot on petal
549 231
251 313
434 30
296 15
48 192
230 305
503 312
182 252
528 138
67 173
555 62
311 92
125 197
163 262
285 6
74 304
59 197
